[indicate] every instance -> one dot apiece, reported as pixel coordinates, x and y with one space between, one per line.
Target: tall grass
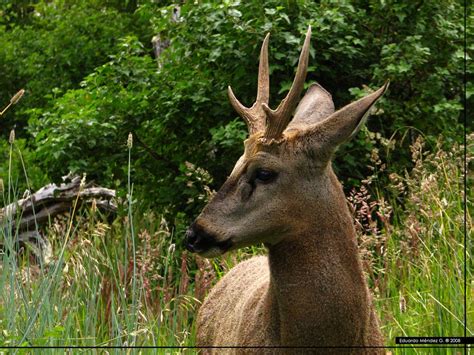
107 284
129 282
413 247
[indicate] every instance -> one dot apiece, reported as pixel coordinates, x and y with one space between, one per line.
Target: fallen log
20 221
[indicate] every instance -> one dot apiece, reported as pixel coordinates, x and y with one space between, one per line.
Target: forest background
95 71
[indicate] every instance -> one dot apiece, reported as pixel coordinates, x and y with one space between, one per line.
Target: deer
309 292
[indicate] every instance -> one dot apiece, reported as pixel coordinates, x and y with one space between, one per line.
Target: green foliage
47 45
84 130
16 160
106 83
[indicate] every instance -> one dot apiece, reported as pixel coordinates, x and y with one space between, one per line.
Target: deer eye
265 176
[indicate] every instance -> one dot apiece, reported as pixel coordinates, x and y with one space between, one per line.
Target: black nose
199 240
191 239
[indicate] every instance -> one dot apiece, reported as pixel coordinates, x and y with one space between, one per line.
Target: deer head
284 178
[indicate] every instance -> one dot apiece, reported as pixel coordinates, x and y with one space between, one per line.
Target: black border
465 169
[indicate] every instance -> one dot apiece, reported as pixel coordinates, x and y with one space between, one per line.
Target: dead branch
21 220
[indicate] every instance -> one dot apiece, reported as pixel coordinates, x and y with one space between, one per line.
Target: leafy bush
83 131
179 110
51 45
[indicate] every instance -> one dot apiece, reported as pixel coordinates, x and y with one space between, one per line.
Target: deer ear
314 107
343 124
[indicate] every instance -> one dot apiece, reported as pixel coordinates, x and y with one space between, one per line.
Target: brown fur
310 291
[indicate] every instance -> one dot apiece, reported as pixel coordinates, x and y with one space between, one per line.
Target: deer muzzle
198 240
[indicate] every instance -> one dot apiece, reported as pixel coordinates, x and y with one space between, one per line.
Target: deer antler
278 119
255 116
260 117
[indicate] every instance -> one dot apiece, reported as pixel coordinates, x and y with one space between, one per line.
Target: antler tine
263 93
278 119
255 116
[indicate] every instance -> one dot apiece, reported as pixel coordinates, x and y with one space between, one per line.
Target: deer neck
317 286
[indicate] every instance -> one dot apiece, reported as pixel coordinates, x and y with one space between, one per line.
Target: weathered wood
20 221
56 198
160 44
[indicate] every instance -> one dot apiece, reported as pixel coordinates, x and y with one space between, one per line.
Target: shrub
180 112
53 45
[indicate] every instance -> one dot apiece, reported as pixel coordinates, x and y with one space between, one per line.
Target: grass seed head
17 96
11 139
130 140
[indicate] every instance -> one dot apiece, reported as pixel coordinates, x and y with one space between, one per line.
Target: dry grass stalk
13 101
